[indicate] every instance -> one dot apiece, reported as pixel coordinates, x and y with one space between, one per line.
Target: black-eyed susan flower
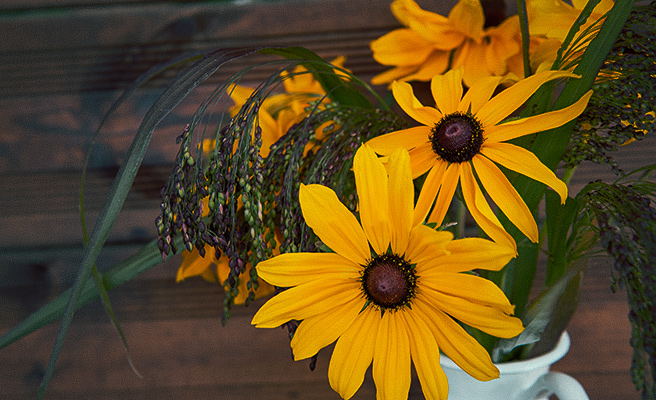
463 138
429 43
391 291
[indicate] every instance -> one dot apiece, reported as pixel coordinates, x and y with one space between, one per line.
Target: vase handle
562 385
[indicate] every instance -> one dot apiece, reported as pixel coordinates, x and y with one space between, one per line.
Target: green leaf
549 146
559 220
142 79
109 310
547 316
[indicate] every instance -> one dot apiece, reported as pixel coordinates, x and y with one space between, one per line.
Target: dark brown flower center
457 137
389 281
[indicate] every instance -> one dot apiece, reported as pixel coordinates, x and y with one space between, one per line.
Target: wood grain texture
182 351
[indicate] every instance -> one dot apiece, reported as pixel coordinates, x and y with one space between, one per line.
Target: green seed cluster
624 218
624 94
181 203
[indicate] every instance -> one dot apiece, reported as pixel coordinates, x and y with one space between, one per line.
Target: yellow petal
193 264
449 184
471 288
426 356
434 28
429 191
301 81
537 123
468 16
292 269
239 94
401 200
505 197
436 63
304 301
263 289
425 244
223 268
396 73
480 209
491 320
391 366
444 37
408 10
401 47
317 332
371 183
510 99
347 367
479 94
270 131
335 225
526 163
466 255
472 59
456 343
422 158
502 46
406 99
406 138
602 8
447 91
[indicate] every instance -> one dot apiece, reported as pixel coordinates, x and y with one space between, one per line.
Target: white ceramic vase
519 380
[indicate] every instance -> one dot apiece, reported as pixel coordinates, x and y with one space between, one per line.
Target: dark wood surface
179 346
60 71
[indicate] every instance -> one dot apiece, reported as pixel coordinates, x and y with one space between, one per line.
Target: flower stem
523 26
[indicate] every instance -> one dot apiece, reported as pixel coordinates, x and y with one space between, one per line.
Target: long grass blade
172 95
111 278
141 80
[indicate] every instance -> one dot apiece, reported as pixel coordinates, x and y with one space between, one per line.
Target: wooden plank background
60 69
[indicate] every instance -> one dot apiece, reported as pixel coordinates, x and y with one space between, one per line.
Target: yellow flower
390 292
424 46
463 138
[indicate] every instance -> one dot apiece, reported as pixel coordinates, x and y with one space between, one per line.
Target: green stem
522 13
569 174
